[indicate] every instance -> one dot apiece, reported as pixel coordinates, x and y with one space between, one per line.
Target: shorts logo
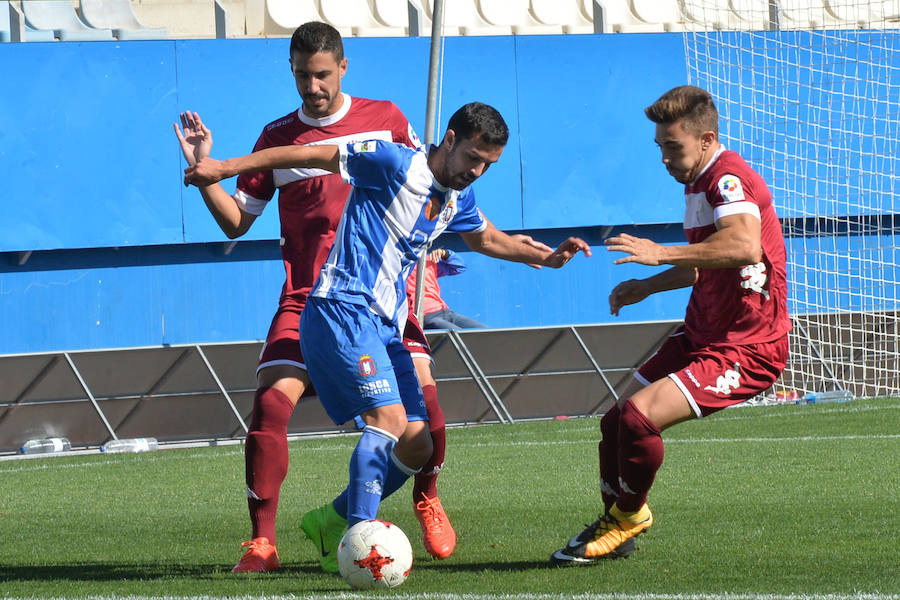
691 377
728 382
375 388
367 366
730 188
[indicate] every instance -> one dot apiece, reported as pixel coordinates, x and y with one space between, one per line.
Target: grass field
761 502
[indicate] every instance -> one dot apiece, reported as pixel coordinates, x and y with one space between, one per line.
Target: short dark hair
692 105
314 37
479 119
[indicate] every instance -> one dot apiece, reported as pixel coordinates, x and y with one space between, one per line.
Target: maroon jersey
743 305
311 201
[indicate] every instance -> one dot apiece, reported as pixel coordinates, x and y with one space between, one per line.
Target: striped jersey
741 305
396 209
311 201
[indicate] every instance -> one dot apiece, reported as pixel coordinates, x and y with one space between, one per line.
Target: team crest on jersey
369 146
730 188
449 211
367 366
412 136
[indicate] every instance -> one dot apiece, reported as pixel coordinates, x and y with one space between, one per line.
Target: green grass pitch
757 503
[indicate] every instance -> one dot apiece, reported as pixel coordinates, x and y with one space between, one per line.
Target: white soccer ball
374 554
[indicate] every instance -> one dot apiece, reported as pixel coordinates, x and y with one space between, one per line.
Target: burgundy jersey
742 305
310 201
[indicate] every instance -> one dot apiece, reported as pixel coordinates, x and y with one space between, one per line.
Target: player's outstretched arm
196 141
196 144
209 170
495 243
633 291
735 243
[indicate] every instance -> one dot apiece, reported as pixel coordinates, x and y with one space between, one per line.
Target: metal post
90 396
434 73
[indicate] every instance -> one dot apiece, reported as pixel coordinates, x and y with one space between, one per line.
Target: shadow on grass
480 567
98 571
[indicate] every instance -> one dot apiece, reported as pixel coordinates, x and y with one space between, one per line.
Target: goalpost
809 94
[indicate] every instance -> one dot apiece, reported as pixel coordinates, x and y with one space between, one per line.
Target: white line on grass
438 596
174 455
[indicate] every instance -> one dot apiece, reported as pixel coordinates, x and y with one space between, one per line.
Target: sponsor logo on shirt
754 278
727 382
367 366
730 188
368 146
373 487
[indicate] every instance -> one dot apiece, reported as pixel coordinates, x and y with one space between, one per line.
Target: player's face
318 78
684 154
467 160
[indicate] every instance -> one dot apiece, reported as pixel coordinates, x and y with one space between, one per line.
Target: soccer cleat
437 533
261 556
325 528
610 536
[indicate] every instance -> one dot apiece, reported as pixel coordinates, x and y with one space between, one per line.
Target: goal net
809 94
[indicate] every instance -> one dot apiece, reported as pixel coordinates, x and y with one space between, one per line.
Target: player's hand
640 250
196 141
530 241
565 251
438 254
627 292
207 171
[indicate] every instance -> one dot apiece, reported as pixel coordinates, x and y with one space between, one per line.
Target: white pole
434 70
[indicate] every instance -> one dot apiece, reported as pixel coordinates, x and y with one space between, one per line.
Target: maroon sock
266 458
640 456
608 451
426 479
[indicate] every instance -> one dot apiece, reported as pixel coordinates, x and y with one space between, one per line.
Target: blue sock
369 468
397 475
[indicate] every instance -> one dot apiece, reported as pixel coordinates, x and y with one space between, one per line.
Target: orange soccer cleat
261 556
437 533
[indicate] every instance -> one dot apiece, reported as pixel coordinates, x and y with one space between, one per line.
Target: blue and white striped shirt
385 226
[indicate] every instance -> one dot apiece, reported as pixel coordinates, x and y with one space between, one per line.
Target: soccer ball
374 554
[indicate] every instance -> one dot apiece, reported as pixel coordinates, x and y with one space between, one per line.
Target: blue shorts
357 361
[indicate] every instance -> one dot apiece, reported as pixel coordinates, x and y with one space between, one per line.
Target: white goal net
809 94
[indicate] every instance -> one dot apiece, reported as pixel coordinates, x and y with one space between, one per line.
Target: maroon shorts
282 345
719 375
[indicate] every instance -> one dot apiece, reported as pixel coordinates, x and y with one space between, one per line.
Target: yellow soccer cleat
610 536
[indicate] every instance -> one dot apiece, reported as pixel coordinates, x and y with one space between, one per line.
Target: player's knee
415 446
390 418
609 423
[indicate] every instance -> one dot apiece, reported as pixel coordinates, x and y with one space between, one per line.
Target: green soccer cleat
325 528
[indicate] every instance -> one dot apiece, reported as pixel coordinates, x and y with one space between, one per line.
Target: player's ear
343 66
707 139
450 138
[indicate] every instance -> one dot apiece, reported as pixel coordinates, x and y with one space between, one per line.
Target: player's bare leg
266 460
438 535
642 419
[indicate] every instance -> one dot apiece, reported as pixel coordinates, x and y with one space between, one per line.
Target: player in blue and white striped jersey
402 199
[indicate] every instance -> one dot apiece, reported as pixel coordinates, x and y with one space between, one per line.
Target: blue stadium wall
102 246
